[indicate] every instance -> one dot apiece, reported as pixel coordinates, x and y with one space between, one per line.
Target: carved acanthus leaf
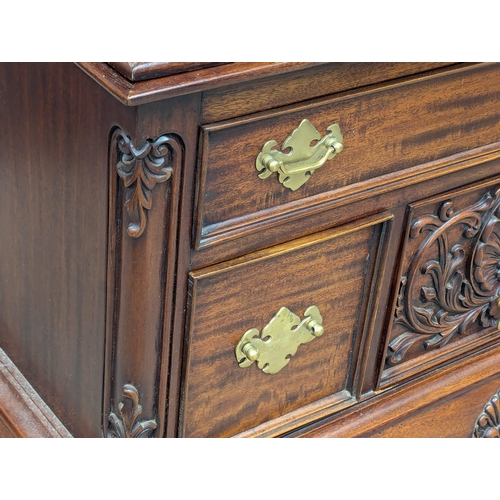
128 425
488 422
141 169
453 282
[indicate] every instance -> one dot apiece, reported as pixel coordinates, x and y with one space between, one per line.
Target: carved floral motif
128 425
141 169
488 423
453 282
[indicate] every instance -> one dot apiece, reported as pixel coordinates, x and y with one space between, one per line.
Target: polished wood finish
396 189
54 220
139 244
138 71
133 94
440 234
375 144
295 278
141 270
22 412
276 91
444 404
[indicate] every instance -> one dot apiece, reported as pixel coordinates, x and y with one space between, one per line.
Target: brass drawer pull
295 167
279 340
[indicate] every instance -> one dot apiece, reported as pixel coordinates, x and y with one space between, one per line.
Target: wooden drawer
386 131
333 270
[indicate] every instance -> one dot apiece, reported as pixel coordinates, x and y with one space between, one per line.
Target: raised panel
332 270
447 300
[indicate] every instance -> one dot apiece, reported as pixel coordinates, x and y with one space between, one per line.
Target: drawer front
334 271
386 132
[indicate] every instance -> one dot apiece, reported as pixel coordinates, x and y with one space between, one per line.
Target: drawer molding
389 408
451 286
141 169
488 422
355 193
128 425
219 399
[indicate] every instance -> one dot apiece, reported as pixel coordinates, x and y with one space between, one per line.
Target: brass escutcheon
279 340
295 168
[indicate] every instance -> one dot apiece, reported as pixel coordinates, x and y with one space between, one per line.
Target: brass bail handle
279 340
295 168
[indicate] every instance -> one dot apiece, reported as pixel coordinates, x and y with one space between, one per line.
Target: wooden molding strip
141 92
139 71
22 410
392 406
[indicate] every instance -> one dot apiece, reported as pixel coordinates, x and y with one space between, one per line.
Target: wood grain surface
446 403
329 270
392 190
277 91
54 224
94 318
134 94
453 416
465 214
5 431
142 270
23 413
138 71
385 131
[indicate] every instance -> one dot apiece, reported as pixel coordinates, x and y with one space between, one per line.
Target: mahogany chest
250 250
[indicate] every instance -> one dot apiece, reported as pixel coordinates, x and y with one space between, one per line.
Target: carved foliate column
144 201
151 172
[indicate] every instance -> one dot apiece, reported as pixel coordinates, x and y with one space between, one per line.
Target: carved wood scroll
452 283
141 169
128 425
488 422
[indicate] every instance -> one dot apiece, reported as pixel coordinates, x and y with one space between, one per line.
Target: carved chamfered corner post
128 423
144 192
488 423
147 175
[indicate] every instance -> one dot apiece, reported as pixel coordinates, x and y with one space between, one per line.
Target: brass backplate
279 340
295 168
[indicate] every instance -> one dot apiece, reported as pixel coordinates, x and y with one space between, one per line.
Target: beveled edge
22 410
142 92
139 71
